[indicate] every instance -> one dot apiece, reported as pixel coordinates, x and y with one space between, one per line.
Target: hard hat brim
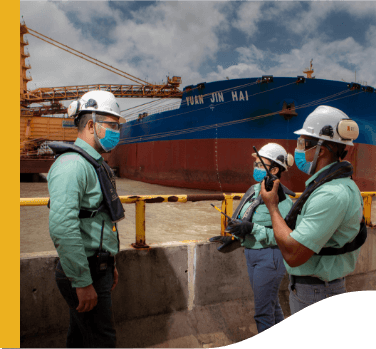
269 158
302 131
99 112
305 133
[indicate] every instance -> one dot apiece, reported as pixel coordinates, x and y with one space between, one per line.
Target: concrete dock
181 294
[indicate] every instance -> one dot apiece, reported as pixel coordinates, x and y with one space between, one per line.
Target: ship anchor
288 111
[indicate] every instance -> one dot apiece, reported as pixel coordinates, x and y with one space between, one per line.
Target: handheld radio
269 180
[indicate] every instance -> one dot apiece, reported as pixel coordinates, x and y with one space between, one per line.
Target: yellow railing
227 207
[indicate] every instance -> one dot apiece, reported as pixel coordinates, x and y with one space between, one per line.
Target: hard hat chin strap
315 158
96 138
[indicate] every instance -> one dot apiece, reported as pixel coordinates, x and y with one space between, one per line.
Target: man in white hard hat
264 259
84 210
321 236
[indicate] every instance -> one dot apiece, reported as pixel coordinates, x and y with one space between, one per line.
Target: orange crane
36 130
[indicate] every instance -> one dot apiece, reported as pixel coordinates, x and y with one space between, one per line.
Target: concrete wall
171 295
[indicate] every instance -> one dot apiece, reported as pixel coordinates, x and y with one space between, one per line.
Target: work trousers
93 329
266 271
303 295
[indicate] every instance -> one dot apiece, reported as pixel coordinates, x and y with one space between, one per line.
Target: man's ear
90 126
323 151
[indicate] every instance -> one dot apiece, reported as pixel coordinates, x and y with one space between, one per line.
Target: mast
309 71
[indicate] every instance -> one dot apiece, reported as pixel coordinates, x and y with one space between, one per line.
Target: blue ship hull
207 142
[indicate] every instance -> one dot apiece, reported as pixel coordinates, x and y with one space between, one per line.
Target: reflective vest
248 214
339 170
111 203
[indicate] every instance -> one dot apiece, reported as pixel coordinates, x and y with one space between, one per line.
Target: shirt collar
317 174
89 149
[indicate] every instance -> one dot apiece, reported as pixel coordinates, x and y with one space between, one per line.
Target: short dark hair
85 117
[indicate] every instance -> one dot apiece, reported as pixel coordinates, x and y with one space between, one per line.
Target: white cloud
175 37
251 53
328 61
371 35
237 71
166 37
249 14
295 18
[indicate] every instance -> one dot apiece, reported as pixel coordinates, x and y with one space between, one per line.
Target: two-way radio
269 180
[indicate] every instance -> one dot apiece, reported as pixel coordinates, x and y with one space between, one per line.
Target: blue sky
201 41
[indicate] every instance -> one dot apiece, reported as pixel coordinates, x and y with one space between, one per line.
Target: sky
200 41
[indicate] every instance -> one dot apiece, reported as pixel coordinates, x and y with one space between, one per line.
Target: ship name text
194 100
217 97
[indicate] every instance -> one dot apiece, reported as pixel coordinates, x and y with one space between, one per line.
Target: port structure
37 128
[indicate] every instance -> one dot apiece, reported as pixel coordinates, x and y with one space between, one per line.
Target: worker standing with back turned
84 211
321 236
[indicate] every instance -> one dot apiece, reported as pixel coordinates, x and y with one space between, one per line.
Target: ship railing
227 207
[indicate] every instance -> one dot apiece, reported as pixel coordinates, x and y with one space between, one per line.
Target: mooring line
216 157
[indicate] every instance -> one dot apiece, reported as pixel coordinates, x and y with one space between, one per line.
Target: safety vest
248 214
339 170
111 203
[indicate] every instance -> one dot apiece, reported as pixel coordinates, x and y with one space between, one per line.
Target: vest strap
111 203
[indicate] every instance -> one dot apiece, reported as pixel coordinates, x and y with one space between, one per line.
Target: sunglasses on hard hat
303 144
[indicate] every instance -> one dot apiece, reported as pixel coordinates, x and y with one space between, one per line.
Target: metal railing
227 207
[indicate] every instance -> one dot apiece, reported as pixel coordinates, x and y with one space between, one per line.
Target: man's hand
87 298
239 228
270 198
116 278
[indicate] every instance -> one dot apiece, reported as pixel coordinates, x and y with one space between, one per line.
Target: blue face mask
301 161
259 174
110 139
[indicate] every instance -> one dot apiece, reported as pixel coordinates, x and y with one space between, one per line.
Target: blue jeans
266 271
93 329
303 295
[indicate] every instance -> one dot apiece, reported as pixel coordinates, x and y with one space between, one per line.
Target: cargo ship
206 143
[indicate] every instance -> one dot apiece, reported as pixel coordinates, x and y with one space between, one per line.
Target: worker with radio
320 238
84 211
264 259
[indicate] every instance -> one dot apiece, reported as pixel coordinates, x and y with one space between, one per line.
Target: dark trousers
93 329
266 271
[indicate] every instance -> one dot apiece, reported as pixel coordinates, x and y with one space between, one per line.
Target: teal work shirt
73 184
330 218
261 219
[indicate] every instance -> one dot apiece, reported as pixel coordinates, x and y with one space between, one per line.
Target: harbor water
165 222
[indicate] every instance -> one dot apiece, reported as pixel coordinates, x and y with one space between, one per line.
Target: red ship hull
222 165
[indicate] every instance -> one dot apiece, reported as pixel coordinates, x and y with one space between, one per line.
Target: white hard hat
330 124
276 153
98 101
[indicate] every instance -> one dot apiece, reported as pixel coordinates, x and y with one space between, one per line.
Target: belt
311 280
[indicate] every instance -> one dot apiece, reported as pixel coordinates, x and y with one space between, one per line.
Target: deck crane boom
141 88
35 130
